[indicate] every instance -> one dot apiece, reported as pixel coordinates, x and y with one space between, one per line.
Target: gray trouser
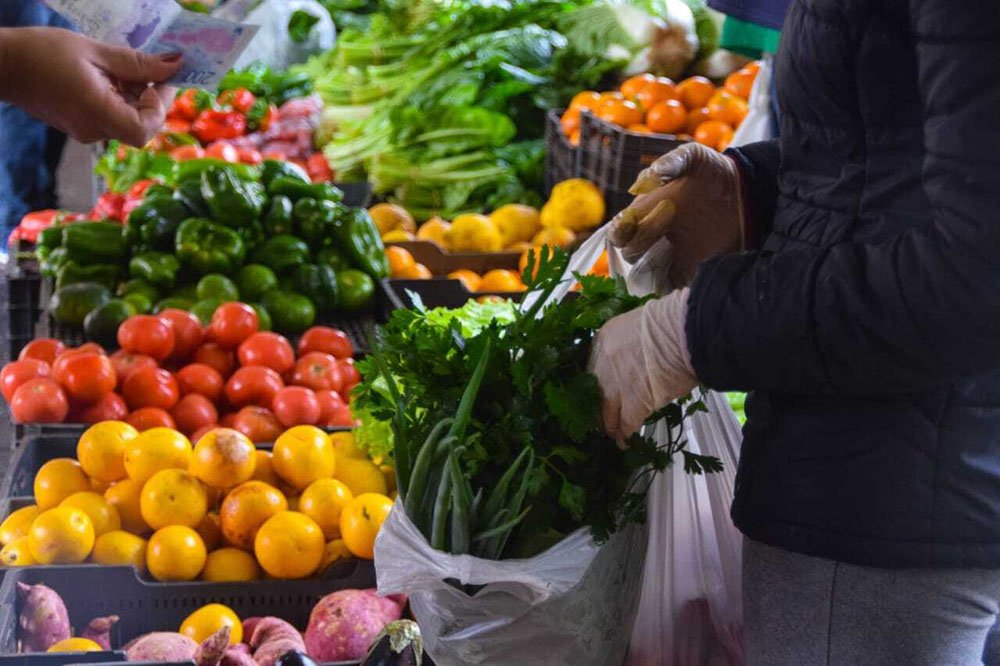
804 611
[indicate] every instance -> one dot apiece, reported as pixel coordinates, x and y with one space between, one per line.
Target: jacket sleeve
758 164
921 308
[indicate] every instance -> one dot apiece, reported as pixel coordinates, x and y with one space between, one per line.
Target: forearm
758 164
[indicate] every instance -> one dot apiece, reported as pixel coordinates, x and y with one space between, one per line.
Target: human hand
89 90
641 362
691 196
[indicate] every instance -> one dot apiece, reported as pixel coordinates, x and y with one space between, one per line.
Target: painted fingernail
171 57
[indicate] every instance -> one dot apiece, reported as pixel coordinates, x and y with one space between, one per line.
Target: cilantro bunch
495 420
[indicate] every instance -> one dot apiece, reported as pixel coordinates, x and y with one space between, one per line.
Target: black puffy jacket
868 327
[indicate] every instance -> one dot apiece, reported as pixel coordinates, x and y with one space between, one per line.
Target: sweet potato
99 630
343 624
238 655
272 637
212 649
161 646
43 620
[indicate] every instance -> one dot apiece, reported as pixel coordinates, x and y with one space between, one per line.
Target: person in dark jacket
847 275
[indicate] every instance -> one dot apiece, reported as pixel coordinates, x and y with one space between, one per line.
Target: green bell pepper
355 289
139 286
156 221
142 303
356 235
255 280
319 284
73 272
193 169
315 220
49 266
332 256
282 253
271 169
279 216
189 194
207 247
50 238
295 189
95 242
290 312
158 268
231 201
70 305
157 191
172 302
217 287
252 232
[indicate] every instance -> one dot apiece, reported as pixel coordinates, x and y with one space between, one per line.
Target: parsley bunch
495 421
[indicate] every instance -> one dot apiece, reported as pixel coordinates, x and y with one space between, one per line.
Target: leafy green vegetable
300 24
122 167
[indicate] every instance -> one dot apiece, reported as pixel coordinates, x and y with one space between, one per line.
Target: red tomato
333 411
222 150
185 153
188 333
87 348
192 412
258 423
125 363
39 401
177 126
250 156
186 104
86 376
150 417
296 405
240 99
233 323
227 420
111 407
151 387
270 116
327 340
147 334
318 371
18 372
202 431
212 125
318 168
253 385
214 356
44 349
200 379
350 374
268 349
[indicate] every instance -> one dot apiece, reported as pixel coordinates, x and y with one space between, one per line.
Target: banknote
210 45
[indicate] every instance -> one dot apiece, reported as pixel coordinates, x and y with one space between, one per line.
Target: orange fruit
17 524
399 258
223 458
263 469
17 553
361 475
557 236
175 553
173 497
345 446
154 450
398 236
714 134
570 120
600 266
230 565
740 82
360 522
323 501
502 280
753 67
335 551
434 230
58 479
120 548
606 96
75 645
586 99
668 117
640 129
631 86
392 217
696 117
210 530
101 449
695 91
103 515
415 272
302 455
289 545
620 112
126 496
61 536
658 90
246 508
574 138
728 108
470 279
209 619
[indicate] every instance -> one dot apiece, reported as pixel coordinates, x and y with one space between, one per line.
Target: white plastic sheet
273 46
756 126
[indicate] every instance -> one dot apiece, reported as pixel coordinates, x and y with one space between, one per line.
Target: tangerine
173 497
289 545
223 458
303 454
658 90
101 449
695 91
360 522
631 86
126 497
399 258
246 508
324 500
714 134
58 479
668 117
175 553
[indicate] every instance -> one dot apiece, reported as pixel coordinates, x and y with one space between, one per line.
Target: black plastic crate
440 293
562 159
357 194
64 659
96 591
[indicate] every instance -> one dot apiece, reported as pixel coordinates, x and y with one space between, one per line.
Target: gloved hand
641 362
691 195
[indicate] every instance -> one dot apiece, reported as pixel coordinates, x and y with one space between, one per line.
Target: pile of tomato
172 372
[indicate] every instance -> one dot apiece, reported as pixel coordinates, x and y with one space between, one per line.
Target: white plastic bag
272 45
756 126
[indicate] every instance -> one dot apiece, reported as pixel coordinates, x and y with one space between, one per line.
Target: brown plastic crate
562 159
441 263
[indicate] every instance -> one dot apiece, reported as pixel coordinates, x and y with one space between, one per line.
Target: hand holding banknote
89 90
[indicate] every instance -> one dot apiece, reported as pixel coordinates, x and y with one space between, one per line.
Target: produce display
695 108
172 372
220 510
344 625
213 233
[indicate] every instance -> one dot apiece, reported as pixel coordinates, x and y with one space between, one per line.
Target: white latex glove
641 362
692 196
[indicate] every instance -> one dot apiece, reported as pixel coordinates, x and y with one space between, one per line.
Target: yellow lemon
61 536
17 553
101 449
208 619
323 501
17 524
103 515
126 496
576 204
392 217
517 223
555 236
58 479
302 455
173 497
361 476
397 236
230 565
474 233
175 553
75 645
335 551
435 230
120 548
154 450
